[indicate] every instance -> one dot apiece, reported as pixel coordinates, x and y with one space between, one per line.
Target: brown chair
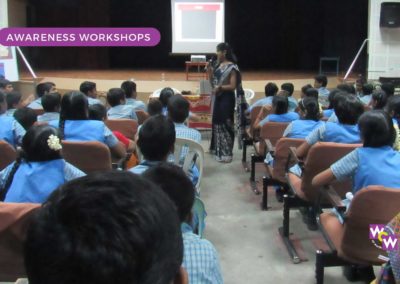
14 221
127 127
89 157
349 242
250 134
303 194
142 116
276 175
7 154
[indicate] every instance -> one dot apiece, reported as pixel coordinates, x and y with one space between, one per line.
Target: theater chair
142 116
7 154
14 221
301 192
271 131
349 242
251 135
276 175
127 127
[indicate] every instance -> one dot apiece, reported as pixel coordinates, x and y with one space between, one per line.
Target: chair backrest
281 156
127 127
319 158
249 95
273 131
14 221
253 116
142 116
7 154
372 205
89 156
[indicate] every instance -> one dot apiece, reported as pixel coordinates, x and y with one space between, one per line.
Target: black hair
4 83
312 92
26 117
393 106
346 88
376 129
367 89
154 107
322 79
13 98
51 102
115 96
230 56
108 227
288 87
74 106
380 98
310 106
129 88
2 97
165 94
156 138
271 89
348 109
178 109
87 87
97 112
44 88
175 183
281 104
305 88
35 148
331 98
388 88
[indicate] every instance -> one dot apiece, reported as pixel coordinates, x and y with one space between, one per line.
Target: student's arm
303 149
232 83
117 148
19 133
324 178
71 172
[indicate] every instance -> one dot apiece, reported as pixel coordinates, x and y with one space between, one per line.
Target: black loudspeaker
390 15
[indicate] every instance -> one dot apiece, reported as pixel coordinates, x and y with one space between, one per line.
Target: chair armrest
269 147
333 197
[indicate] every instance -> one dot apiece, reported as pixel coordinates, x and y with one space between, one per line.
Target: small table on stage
200 70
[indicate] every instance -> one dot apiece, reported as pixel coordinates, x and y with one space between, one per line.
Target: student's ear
182 277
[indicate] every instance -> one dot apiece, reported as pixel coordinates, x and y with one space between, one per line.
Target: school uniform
299 129
136 104
144 166
286 117
262 102
122 112
10 112
328 113
36 104
11 131
293 104
366 99
323 96
48 116
92 101
335 132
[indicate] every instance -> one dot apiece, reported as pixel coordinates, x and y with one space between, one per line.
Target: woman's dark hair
271 89
74 106
310 106
331 98
97 112
376 129
312 92
35 148
129 88
26 117
380 98
281 104
348 108
367 89
230 56
394 107
165 94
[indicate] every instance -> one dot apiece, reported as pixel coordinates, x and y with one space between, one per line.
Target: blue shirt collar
186 228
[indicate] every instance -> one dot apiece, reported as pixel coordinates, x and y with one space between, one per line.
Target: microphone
211 63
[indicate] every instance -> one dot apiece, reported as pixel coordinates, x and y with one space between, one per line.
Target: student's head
347 88
74 106
3 102
331 98
154 107
225 53
109 227
157 138
175 183
97 112
304 90
359 85
45 88
379 100
116 97
320 81
309 109
311 93
348 109
178 109
51 102
376 129
280 104
89 89
6 86
388 88
165 94
13 99
393 107
288 87
271 89
367 89
129 88
26 117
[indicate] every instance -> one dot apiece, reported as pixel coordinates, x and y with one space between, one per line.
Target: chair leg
246 143
319 267
326 259
264 202
254 159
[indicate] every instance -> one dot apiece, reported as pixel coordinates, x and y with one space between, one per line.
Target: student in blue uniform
379 100
129 88
270 90
51 104
26 117
165 94
289 88
367 90
90 90
10 130
75 125
119 110
41 90
320 83
38 170
327 113
13 102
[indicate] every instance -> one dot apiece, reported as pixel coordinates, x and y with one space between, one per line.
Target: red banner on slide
199 7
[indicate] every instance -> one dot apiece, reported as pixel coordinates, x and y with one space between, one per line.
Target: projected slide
197 26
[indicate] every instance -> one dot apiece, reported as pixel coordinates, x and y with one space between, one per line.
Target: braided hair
74 106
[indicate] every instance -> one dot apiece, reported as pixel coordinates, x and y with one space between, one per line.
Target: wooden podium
200 70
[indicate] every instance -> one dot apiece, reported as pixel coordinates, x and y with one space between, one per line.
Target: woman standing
225 78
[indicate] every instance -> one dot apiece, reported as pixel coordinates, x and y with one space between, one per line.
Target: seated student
320 83
393 108
41 90
119 110
26 117
154 107
90 90
6 86
271 90
289 87
165 94
310 120
10 130
156 142
359 87
200 258
280 113
379 100
38 170
75 125
388 88
347 88
13 102
51 105
304 90
129 88
327 113
136 238
367 91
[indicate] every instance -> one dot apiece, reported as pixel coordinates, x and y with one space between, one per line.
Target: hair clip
54 143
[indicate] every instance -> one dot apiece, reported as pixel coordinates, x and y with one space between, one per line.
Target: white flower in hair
54 142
